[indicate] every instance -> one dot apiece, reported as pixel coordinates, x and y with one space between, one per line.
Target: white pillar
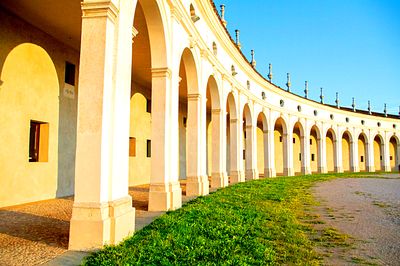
354 165
102 212
386 154
197 181
370 163
288 169
236 157
322 164
269 155
219 178
305 153
338 150
165 192
251 152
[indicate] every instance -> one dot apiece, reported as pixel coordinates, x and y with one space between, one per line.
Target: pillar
386 155
197 180
322 164
338 149
219 177
370 163
288 169
165 192
102 212
354 165
305 152
236 157
269 158
251 152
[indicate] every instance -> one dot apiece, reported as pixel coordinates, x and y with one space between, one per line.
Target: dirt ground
368 210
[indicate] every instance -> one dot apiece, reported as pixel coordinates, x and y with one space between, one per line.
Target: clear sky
346 46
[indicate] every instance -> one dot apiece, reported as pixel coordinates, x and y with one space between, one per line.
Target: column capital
162 72
194 96
216 111
99 9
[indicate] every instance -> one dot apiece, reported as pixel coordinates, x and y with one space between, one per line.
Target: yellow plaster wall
278 152
361 152
209 145
182 140
32 67
296 152
314 150
346 154
392 153
140 129
260 151
330 155
377 156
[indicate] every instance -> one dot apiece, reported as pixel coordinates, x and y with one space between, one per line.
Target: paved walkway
38 233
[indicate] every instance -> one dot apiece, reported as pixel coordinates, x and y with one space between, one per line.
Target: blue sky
346 46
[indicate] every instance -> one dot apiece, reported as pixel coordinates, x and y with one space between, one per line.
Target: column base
237 177
219 180
197 186
306 170
322 170
288 172
338 169
387 168
370 168
251 174
165 197
269 172
355 169
94 225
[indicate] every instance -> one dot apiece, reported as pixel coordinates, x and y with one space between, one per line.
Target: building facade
97 96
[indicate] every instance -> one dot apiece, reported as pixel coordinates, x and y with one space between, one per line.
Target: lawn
262 222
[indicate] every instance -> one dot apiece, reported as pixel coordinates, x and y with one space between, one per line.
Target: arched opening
249 144
262 144
280 135
330 150
231 136
346 156
315 157
298 153
378 153
362 151
394 150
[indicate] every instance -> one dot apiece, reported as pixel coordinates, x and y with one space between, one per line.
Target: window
313 157
184 121
381 157
244 134
294 140
148 148
391 157
244 154
70 73
38 141
362 159
300 157
132 147
280 138
148 106
310 141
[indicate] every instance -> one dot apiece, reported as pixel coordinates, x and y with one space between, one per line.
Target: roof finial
322 96
253 62
354 105
369 107
223 15
385 110
237 32
337 100
270 75
306 89
288 84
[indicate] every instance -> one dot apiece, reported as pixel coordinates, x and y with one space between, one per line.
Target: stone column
251 152
219 178
386 155
370 163
102 212
288 169
322 164
305 152
354 166
236 157
269 158
338 149
197 181
165 192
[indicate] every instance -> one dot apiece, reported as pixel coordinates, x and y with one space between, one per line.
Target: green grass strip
261 222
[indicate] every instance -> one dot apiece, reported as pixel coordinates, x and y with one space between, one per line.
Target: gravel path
367 209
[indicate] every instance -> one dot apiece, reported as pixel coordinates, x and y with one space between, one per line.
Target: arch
247 115
315 149
331 150
189 75
231 106
378 143
262 143
346 150
394 153
29 98
362 151
280 152
213 93
298 146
